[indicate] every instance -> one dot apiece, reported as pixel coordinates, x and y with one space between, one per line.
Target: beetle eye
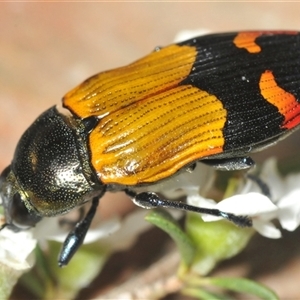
21 218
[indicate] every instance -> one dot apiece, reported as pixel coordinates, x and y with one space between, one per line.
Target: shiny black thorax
50 164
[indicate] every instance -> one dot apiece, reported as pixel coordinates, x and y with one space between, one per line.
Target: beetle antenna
76 237
152 200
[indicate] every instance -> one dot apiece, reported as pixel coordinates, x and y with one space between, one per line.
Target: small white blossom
283 205
16 249
285 193
255 205
115 233
50 229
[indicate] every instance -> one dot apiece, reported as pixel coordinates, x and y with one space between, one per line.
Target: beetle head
17 216
48 175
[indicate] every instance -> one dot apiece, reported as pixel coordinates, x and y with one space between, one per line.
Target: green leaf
243 285
34 284
215 241
40 280
48 281
8 279
203 294
82 269
167 223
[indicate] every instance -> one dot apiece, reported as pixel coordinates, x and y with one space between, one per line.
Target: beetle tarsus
150 200
76 237
241 221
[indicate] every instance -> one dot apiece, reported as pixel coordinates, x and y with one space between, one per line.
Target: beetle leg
230 164
261 184
239 163
150 200
76 236
71 223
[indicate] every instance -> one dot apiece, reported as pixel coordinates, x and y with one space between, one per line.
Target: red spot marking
246 39
286 103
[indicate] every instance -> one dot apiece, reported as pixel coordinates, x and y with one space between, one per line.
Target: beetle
214 99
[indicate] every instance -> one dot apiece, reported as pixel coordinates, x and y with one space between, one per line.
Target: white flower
115 233
284 204
254 205
285 193
50 229
16 249
248 201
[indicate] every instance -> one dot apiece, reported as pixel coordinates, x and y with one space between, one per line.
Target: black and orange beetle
214 99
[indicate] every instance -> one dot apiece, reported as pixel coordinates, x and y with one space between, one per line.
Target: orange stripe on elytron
247 39
286 103
155 137
109 91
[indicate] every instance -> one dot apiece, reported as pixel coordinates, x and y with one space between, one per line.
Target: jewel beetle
214 99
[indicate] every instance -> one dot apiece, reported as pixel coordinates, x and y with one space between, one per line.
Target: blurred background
48 48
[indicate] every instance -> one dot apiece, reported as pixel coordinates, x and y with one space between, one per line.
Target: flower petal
289 213
251 204
57 233
272 178
199 201
16 248
185 183
266 229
